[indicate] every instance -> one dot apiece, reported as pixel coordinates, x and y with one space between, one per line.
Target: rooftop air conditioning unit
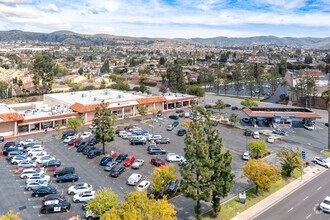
107 92
72 93
83 95
96 99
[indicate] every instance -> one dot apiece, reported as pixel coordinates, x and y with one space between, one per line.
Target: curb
286 195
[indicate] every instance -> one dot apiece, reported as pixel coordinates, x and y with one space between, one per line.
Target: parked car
162 141
88 149
43 191
64 171
175 123
157 151
281 132
94 153
179 111
52 163
68 139
234 108
67 134
181 132
172 186
187 115
91 141
228 105
121 157
159 114
38 176
110 165
79 188
27 164
246 120
151 146
67 178
309 127
11 144
128 161
143 185
2 139
74 141
325 204
157 162
270 139
106 160
169 127
83 196
10 149
208 106
15 160
44 159
81 148
182 161
35 184
29 172
247 132
256 135
127 127
81 142
92 126
15 153
134 179
27 141
210 110
154 137
58 197
173 157
246 155
54 206
117 170
175 117
321 161
137 163
181 114
85 135
137 141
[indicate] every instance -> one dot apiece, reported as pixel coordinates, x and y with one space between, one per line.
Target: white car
27 173
15 160
27 164
325 205
134 179
213 118
44 159
173 157
256 135
170 127
309 127
79 188
246 156
27 141
84 196
147 135
35 147
92 126
36 184
40 155
137 163
127 135
321 161
121 133
270 139
38 176
155 137
34 153
143 185
85 135
68 139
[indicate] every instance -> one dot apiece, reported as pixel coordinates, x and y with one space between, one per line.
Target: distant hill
97 39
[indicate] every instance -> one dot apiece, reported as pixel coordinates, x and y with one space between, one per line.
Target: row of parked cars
31 160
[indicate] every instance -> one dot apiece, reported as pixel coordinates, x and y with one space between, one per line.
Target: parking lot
15 197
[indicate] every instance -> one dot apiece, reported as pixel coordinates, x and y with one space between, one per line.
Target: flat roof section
285 113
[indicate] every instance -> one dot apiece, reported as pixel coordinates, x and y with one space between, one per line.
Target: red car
157 162
54 197
129 160
181 114
129 127
73 141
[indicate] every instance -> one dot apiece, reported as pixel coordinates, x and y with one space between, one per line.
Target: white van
173 157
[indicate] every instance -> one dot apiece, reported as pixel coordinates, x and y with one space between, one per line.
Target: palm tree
310 85
326 97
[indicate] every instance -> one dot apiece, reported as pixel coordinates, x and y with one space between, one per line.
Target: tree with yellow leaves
186 122
161 176
105 199
260 173
10 216
138 206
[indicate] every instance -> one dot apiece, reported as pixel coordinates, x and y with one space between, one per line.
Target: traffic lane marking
308 216
319 188
306 198
290 210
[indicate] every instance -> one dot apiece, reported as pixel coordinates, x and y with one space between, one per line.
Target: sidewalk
311 172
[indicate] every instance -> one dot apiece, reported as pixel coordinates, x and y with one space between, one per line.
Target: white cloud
16 1
97 10
48 8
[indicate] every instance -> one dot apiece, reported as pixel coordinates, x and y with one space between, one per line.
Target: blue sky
170 18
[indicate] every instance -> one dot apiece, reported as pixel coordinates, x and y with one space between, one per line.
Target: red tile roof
152 99
84 108
12 116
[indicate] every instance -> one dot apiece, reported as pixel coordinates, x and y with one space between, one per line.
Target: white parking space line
306 198
308 216
319 188
37 206
290 210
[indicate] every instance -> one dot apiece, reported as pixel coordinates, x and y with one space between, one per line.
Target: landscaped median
326 152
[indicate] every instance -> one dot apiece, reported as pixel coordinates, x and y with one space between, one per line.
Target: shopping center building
57 108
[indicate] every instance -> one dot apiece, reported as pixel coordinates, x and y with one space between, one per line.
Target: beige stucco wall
7 128
90 116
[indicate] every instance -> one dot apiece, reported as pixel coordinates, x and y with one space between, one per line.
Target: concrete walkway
311 172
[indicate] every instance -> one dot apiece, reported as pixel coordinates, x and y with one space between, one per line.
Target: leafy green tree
290 159
196 90
162 61
163 89
258 148
121 86
102 123
103 84
308 59
105 67
161 176
143 110
260 173
42 68
4 88
196 174
20 83
5 66
222 180
176 79
81 71
248 102
234 118
219 105
105 199
74 123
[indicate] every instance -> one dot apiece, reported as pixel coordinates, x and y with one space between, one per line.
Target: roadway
302 204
